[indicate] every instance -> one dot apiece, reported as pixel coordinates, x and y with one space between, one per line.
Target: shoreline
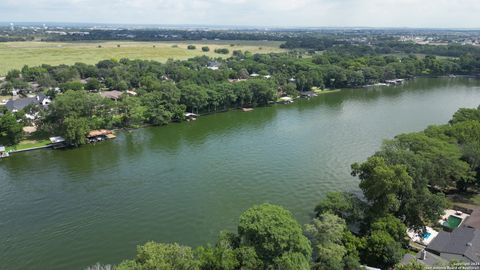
317 92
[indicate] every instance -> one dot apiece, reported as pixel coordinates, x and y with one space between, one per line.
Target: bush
191 47
205 49
222 51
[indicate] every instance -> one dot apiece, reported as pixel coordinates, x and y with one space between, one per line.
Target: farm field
17 54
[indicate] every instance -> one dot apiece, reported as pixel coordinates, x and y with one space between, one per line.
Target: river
68 209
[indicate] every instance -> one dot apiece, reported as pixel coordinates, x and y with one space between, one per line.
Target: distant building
214 65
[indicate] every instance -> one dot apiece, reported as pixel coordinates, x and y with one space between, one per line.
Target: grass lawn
28 144
17 54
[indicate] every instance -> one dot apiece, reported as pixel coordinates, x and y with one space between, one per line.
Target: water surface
186 182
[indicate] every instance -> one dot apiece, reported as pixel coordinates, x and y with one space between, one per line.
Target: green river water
68 209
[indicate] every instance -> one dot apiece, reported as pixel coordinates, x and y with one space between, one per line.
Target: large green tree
158 256
10 128
273 233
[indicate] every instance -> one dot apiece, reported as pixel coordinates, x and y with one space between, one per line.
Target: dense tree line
376 45
166 35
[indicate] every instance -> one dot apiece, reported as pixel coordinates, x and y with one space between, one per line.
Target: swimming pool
425 235
452 222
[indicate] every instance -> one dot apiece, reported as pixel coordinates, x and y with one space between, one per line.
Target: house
462 244
113 95
131 93
254 75
473 221
424 257
213 65
19 104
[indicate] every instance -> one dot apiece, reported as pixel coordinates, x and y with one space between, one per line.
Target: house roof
2 148
100 132
474 220
430 258
21 103
114 94
463 241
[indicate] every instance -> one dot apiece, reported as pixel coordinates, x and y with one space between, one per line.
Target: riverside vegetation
164 91
403 185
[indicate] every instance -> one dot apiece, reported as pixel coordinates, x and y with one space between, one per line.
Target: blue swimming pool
426 235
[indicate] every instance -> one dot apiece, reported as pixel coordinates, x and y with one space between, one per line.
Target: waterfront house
462 244
424 257
473 221
19 104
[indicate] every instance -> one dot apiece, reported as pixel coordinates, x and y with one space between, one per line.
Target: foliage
161 256
272 232
329 237
382 250
10 129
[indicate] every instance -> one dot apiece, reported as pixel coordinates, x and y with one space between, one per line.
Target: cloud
376 13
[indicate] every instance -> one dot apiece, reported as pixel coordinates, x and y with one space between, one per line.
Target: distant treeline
166 35
10 39
384 45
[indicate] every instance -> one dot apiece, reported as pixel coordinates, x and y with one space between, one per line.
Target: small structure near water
100 135
57 142
286 100
191 116
395 81
3 152
247 109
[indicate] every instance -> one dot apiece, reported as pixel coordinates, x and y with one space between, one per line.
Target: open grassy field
17 54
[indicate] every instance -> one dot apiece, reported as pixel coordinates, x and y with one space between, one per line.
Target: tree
385 186
75 130
161 256
93 84
222 51
205 49
221 257
430 160
191 47
327 236
414 265
10 128
342 204
393 226
382 250
272 232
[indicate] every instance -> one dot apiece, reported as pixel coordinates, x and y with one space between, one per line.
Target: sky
269 13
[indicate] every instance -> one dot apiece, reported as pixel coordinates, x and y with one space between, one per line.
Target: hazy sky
376 13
